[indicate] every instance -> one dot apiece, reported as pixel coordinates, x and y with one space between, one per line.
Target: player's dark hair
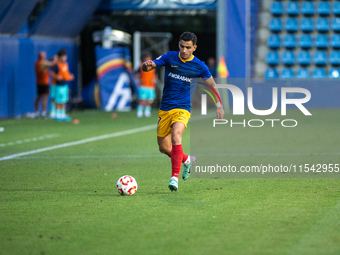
62 52
188 36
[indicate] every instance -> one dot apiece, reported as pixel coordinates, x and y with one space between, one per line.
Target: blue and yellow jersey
180 79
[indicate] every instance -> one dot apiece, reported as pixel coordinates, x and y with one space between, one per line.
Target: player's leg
150 98
64 116
63 100
53 105
176 153
183 116
44 103
58 98
147 108
142 97
60 101
58 111
36 106
140 108
164 144
187 161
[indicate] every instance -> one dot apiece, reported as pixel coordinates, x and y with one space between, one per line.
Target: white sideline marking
92 139
34 139
92 156
127 132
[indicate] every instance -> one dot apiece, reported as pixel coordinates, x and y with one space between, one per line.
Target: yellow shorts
167 118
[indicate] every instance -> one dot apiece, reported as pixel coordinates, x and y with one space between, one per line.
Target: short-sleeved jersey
180 79
41 74
147 79
61 69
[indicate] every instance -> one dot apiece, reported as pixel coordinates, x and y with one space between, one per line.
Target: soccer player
60 72
43 81
146 91
182 69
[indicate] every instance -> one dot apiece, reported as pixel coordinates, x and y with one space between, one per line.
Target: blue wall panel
236 38
17 77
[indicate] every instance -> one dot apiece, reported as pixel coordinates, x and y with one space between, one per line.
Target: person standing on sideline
146 91
43 82
60 72
182 70
211 63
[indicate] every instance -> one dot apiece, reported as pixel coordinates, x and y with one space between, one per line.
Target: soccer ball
126 185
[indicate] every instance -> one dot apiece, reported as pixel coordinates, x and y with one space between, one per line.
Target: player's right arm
54 73
148 66
49 63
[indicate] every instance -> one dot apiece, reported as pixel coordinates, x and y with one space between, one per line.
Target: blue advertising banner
157 4
115 77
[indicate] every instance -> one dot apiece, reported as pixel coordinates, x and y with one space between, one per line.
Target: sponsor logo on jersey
179 77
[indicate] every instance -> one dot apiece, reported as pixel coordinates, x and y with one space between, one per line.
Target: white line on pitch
88 140
34 139
92 156
132 131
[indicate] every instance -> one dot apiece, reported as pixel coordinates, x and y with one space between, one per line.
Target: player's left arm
71 76
219 107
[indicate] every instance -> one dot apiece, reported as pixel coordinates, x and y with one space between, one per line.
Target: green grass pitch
64 201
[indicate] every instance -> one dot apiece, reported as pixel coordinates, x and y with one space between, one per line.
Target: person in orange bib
60 72
43 81
146 91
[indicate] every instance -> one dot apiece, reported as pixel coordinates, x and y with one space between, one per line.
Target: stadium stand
324 8
303 73
287 73
322 25
272 58
334 58
290 41
308 8
305 41
274 41
321 41
335 41
304 58
306 34
291 25
334 73
307 25
292 8
288 58
336 25
320 57
336 8
277 8
275 25
271 73
319 73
